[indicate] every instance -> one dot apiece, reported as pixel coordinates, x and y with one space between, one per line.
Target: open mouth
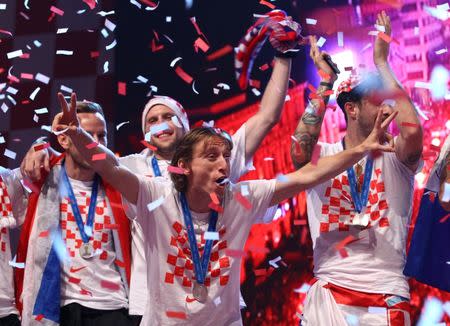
222 181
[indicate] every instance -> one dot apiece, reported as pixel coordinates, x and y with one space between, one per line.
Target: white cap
176 107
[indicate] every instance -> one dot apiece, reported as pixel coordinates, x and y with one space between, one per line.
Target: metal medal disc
200 292
86 251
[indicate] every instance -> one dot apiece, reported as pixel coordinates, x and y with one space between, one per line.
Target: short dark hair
185 150
89 107
365 87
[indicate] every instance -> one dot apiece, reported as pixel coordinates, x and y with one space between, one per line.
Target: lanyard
199 268
155 166
74 205
360 200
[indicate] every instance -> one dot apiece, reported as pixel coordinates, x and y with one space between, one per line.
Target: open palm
381 47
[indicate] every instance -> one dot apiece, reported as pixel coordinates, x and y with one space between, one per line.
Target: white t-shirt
434 182
167 248
142 164
83 280
12 206
375 262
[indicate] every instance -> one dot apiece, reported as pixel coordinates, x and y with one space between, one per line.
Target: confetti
410 124
303 289
315 154
57 133
39 317
441 51
62 30
214 198
109 285
340 37
111 46
57 11
446 195
33 95
201 44
260 272
66 89
175 169
149 146
444 219
211 235
15 264
10 154
437 12
220 53
268 4
2 6
174 61
122 88
384 37
155 204
321 41
99 157
42 78
121 124
106 67
176 314
311 21
274 261
92 4
183 75
243 201
110 25
14 54
432 312
41 147
217 301
215 207
26 76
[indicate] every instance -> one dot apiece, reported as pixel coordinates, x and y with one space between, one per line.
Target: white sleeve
260 195
238 166
16 192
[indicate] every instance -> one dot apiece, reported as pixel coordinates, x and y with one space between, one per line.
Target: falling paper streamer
321 41
10 154
175 169
176 314
311 21
432 312
211 235
174 61
217 301
14 54
340 37
42 78
274 261
156 129
14 264
99 157
303 289
121 124
446 196
243 201
155 204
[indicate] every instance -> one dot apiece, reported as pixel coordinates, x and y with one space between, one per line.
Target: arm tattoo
310 116
301 150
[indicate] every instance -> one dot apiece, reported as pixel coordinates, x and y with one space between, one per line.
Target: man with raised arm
359 219
191 274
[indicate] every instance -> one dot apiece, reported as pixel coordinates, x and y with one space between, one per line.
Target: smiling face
166 140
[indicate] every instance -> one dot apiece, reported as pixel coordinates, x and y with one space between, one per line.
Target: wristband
288 54
327 85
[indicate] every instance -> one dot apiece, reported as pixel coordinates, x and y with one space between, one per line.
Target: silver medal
200 292
86 251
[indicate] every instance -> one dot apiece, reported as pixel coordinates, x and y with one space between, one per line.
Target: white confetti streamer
62 30
174 61
121 124
41 111
110 25
154 204
14 54
10 154
311 21
42 78
64 52
33 95
211 235
112 45
321 41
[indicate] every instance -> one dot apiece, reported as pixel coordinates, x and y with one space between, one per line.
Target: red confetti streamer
243 201
41 147
432 197
220 53
268 4
95 54
92 145
148 3
57 10
343 253
260 272
315 154
194 22
183 75
39 317
300 222
312 88
384 37
74 280
200 43
445 218
109 285
149 146
176 314
216 207
90 3
214 198
345 242
98 157
189 300
175 169
264 67
13 79
111 226
323 74
43 234
26 76
410 124
122 88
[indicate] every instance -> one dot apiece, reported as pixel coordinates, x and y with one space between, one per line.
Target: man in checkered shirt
75 242
359 219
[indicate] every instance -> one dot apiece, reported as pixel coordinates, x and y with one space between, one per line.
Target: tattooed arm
308 129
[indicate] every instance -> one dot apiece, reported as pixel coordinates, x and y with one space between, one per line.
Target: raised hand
381 47
319 59
377 138
67 118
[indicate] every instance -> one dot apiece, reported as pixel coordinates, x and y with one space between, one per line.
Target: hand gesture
319 59
377 138
67 118
381 47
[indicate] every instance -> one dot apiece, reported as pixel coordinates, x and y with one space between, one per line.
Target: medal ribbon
360 199
74 205
155 166
200 268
